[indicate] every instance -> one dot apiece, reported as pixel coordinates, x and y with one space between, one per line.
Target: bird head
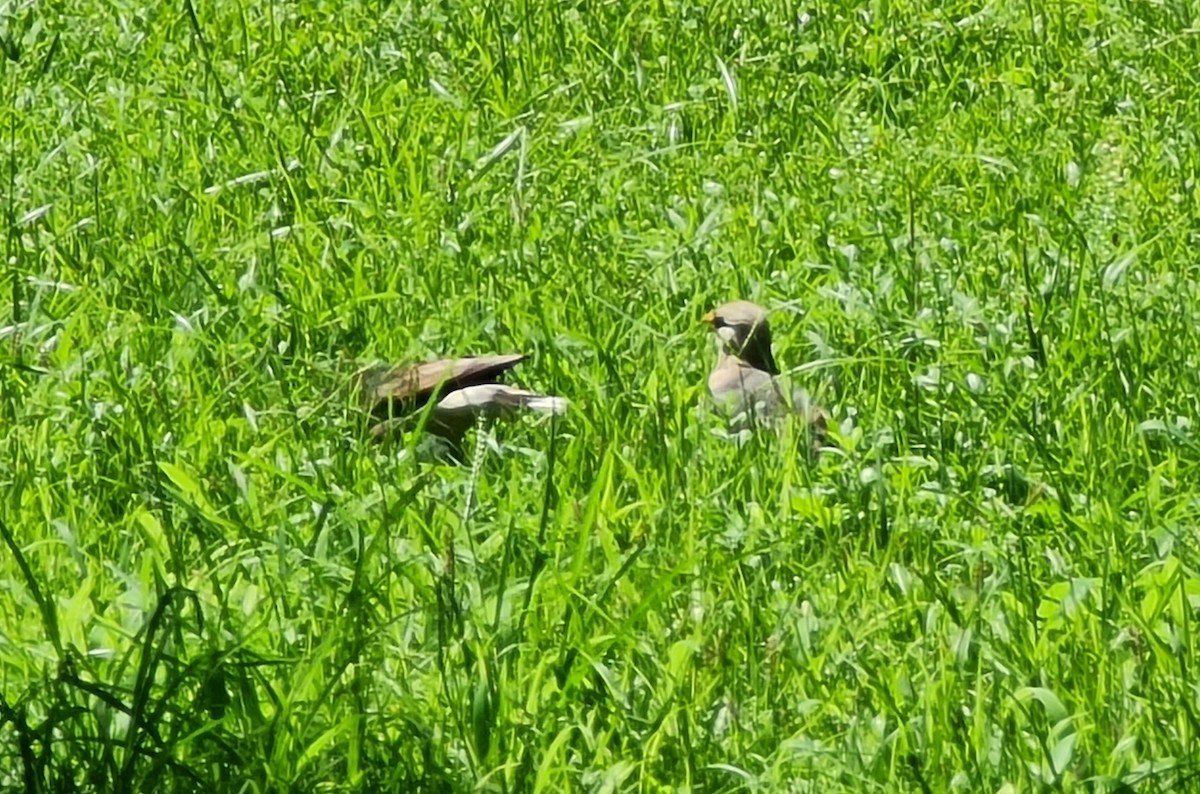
743 331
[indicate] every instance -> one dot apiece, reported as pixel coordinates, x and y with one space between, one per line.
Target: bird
464 389
745 382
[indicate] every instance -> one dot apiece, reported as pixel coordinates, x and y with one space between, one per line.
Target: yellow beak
709 318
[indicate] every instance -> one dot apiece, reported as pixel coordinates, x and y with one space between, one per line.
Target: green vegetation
975 225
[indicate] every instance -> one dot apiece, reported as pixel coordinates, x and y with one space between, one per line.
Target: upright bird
745 382
464 389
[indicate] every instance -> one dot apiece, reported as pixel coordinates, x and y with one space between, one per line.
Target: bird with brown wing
461 389
745 383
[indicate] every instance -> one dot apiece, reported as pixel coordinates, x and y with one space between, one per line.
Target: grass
975 225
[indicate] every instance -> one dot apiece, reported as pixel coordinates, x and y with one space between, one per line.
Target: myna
745 382
464 389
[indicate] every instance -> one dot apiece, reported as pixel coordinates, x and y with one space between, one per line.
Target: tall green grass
975 225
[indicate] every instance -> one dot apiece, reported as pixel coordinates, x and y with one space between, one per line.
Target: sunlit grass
974 226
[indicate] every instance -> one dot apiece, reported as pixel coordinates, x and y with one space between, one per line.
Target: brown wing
404 389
